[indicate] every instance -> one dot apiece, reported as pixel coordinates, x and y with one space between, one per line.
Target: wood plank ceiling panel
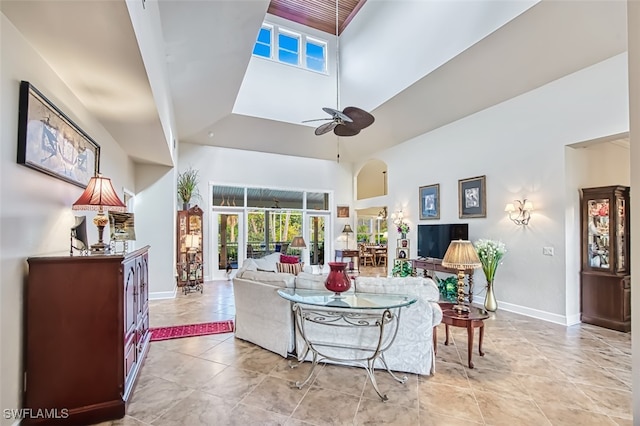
318 14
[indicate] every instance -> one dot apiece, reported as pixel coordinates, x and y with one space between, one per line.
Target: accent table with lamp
462 256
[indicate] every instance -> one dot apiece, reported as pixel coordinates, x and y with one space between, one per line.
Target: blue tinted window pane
288 57
262 50
264 36
288 43
315 65
315 51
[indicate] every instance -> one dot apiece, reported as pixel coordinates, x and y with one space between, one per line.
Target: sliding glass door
230 229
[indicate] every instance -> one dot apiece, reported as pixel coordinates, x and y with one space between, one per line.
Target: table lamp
347 230
461 255
192 242
99 195
298 243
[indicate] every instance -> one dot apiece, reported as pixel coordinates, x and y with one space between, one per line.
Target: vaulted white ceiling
416 66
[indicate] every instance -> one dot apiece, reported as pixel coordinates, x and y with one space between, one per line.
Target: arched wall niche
371 180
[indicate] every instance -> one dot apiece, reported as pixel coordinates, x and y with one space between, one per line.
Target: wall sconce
382 214
523 210
397 217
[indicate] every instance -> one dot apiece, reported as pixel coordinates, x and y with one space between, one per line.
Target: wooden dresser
86 334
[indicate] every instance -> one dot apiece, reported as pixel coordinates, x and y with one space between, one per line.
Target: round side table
469 320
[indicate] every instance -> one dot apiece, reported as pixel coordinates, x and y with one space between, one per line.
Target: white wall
156 204
35 209
633 16
224 166
519 145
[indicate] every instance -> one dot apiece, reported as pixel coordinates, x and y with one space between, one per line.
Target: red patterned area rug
191 330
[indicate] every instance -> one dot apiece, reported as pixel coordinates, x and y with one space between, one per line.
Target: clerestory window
289 47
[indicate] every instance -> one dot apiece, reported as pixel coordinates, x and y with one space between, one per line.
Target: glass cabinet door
621 244
598 249
605 229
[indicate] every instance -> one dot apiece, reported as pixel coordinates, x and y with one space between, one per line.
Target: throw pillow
268 263
288 259
290 268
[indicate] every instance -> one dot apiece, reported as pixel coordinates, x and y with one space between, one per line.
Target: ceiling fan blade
325 128
360 117
346 130
317 119
337 114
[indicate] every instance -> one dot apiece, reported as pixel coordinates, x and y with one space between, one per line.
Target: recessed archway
371 180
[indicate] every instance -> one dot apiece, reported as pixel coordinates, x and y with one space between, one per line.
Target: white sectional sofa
266 319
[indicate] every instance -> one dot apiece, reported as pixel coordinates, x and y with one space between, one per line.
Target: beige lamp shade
461 255
298 242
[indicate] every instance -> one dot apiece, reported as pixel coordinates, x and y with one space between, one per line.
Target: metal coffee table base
383 322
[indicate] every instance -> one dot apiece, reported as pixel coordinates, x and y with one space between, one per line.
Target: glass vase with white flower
490 253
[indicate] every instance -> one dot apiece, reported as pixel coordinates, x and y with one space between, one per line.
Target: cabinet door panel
129 360
130 298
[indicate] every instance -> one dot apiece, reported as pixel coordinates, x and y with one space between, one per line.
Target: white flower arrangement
490 253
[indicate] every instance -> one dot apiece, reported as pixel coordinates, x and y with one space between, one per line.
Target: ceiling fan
349 121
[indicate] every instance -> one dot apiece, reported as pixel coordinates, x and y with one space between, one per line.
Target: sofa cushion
279 279
424 288
290 268
268 263
308 281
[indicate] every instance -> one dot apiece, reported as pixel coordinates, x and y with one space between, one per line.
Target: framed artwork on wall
472 197
48 141
343 211
430 202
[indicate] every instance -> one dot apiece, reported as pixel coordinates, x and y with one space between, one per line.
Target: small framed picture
430 202
343 211
472 197
403 243
402 253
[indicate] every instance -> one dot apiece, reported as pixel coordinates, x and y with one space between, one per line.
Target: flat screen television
433 240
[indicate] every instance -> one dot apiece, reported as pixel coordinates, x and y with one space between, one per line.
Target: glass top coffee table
364 327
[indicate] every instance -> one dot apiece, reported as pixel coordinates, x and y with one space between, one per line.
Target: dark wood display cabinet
605 288
86 335
189 242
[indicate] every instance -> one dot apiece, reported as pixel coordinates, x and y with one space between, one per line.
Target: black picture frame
50 142
429 202
402 253
472 194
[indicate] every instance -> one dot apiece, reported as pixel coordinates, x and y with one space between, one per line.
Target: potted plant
188 186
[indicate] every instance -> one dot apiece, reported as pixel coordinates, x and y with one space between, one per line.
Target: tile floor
533 373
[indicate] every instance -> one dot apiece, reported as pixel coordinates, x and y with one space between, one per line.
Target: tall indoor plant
188 186
490 253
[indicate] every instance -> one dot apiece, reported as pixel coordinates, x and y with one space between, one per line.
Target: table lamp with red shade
100 195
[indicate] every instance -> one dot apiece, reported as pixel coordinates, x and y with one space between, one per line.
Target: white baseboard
158 295
542 315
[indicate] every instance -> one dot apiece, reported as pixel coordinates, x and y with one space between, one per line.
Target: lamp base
461 309
99 248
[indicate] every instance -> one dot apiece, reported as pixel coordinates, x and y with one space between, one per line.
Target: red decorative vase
338 280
